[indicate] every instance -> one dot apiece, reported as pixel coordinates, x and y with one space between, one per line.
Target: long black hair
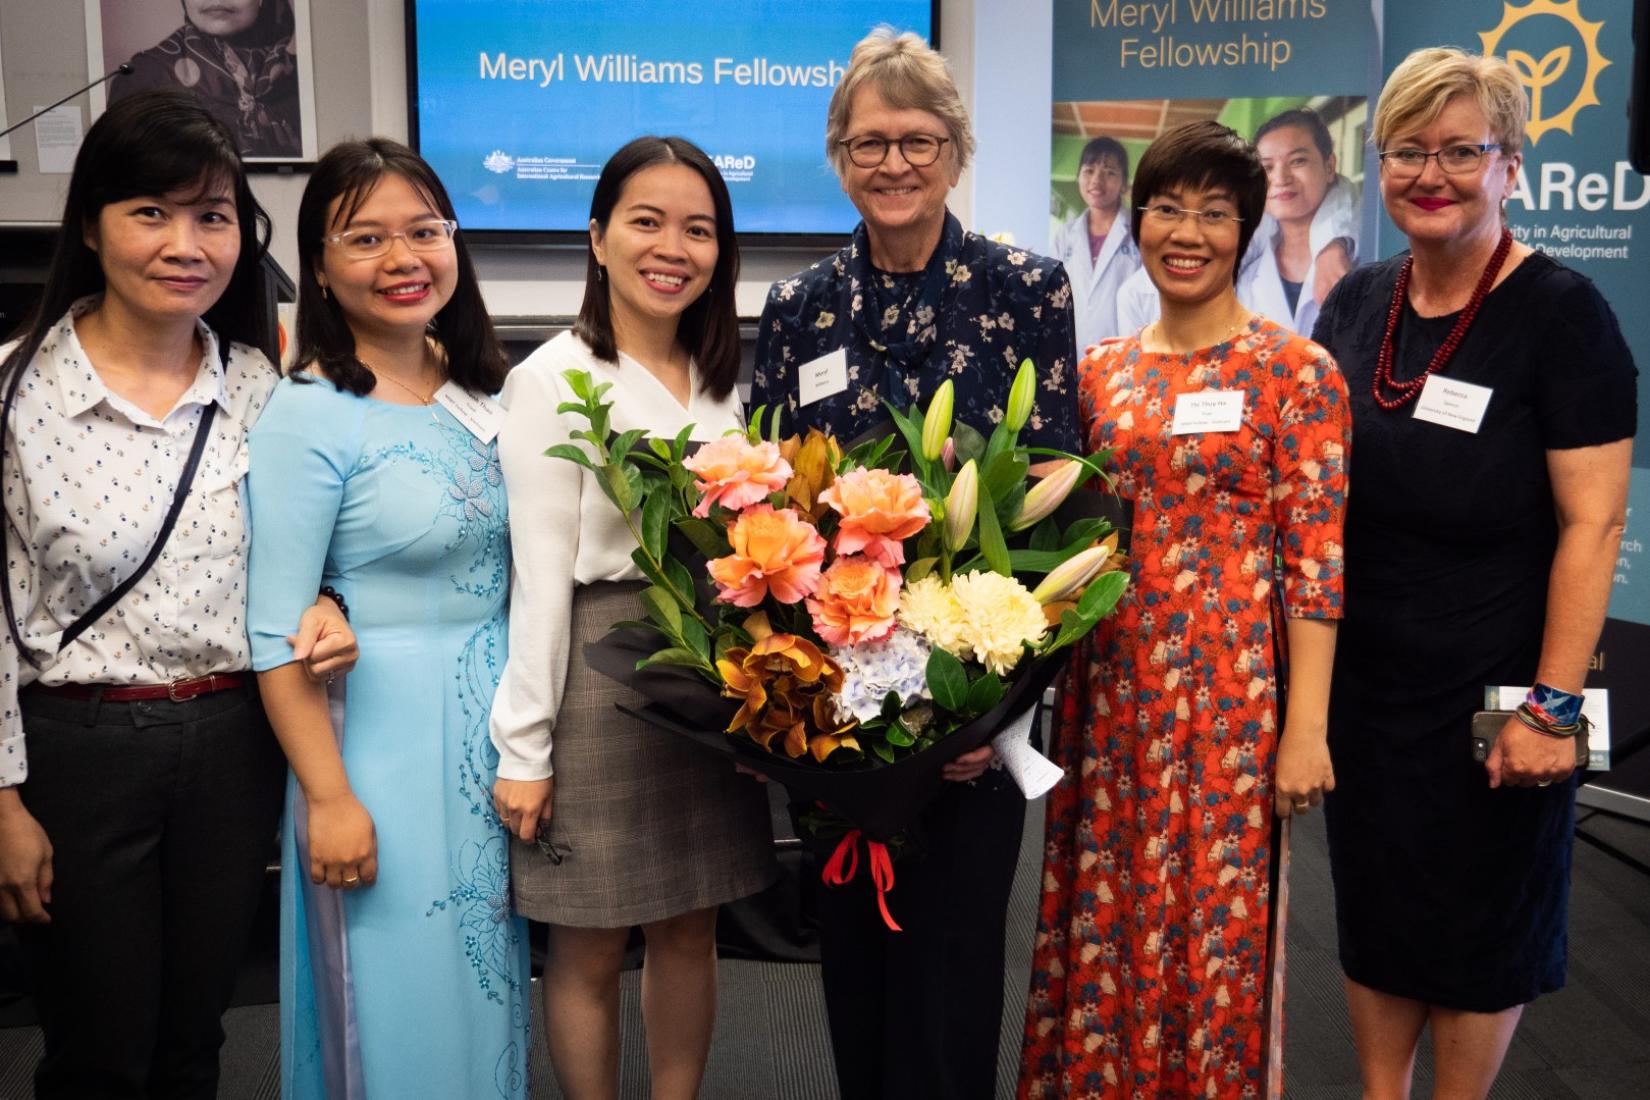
152 143
349 173
709 328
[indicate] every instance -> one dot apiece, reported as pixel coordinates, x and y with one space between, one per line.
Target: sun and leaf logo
1539 74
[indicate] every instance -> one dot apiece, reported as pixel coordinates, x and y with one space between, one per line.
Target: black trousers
161 817
917 1014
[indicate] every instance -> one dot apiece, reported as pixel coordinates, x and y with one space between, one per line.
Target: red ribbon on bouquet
882 870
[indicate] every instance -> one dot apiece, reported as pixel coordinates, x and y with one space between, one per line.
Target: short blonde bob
1427 79
908 74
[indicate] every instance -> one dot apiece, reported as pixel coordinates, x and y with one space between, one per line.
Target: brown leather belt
177 691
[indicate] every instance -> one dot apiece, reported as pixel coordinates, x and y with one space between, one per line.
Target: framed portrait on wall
247 60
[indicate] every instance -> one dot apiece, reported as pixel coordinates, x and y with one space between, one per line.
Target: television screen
518 103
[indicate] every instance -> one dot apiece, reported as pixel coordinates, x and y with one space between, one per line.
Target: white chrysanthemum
870 670
928 607
999 618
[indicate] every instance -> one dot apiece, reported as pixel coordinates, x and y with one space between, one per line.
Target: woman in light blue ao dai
374 472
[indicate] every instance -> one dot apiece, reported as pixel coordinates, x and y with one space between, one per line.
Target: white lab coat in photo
1259 285
1095 283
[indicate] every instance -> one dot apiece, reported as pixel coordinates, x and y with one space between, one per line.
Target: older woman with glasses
915 300
1154 971
1494 398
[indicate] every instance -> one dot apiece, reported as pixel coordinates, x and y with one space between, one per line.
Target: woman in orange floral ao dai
1158 949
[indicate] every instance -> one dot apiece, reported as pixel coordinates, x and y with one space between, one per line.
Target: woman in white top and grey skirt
618 823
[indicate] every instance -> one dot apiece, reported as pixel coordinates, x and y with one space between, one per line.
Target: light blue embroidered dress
417 985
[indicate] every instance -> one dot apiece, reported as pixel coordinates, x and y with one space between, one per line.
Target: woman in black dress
1479 545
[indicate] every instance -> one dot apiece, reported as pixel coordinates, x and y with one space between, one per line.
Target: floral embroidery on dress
482 894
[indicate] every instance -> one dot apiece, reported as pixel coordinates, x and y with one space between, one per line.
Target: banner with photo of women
1292 76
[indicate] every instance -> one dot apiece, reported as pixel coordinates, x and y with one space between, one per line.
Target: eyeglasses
1455 160
430 235
917 150
1163 213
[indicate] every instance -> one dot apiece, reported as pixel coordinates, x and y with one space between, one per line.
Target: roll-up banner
1305 75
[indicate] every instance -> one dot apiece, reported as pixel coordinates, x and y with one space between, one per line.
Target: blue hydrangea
870 670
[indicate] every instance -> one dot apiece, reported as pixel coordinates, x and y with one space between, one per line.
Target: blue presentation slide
520 102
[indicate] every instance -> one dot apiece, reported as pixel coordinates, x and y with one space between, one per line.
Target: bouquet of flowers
850 617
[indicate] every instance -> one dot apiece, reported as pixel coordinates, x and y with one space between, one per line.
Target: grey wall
360 89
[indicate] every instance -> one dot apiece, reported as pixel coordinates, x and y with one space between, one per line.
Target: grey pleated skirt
648 824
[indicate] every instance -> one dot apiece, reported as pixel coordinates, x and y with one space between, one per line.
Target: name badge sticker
822 377
1453 404
1208 411
481 415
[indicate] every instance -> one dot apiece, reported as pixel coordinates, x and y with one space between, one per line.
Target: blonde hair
1427 79
908 74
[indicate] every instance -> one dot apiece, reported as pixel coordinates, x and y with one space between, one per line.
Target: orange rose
879 511
735 473
856 601
774 551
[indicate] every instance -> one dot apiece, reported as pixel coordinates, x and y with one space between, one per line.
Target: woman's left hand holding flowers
1304 771
1521 757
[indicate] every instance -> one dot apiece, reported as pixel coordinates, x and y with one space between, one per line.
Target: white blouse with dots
88 479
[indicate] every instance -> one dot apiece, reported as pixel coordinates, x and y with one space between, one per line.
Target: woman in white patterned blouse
134 834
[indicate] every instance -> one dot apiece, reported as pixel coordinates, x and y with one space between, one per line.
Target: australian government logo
498 161
1540 73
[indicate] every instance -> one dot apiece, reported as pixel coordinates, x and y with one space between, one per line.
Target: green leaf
992 546
674 656
678 446
572 452
616 484
1046 536
621 447
1102 595
947 681
753 426
1086 530
1005 473
708 538
881 749
968 443
919 569
639 557
664 609
679 576
579 382
899 736
659 447
985 693
695 637
911 428
656 522
890 706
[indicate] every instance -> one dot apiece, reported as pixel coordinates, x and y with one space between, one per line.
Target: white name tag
1458 405
481 415
822 377
1208 411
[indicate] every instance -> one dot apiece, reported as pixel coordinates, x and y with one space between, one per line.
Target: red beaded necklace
1409 391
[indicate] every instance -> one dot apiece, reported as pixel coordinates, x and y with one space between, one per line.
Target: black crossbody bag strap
185 480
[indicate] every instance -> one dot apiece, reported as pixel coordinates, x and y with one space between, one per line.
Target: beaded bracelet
1540 722
331 593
